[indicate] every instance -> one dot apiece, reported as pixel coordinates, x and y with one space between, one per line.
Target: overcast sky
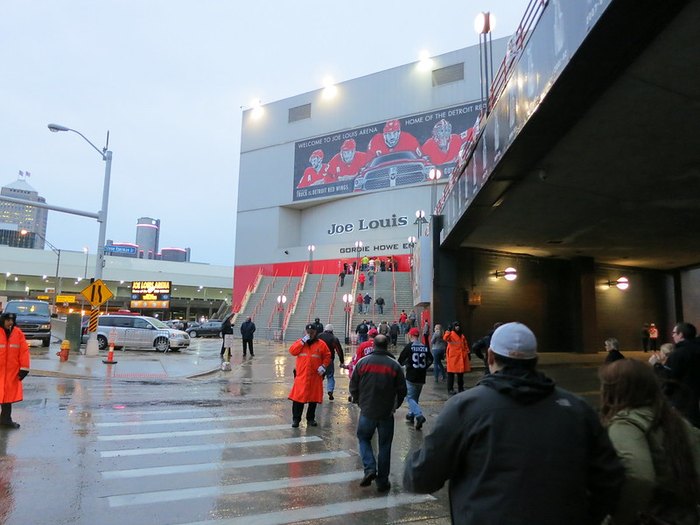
167 78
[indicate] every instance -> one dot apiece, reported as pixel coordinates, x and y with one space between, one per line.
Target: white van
139 332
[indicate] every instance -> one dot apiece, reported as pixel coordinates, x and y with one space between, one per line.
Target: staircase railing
312 306
282 292
258 306
335 294
252 288
293 304
393 287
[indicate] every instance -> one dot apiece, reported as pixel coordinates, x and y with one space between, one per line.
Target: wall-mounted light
509 274
330 90
257 110
622 283
425 63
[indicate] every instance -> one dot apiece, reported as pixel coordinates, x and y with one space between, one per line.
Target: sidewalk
153 366
189 364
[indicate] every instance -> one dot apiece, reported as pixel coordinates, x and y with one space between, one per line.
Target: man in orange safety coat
313 357
14 366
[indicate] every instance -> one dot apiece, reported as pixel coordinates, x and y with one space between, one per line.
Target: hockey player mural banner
387 154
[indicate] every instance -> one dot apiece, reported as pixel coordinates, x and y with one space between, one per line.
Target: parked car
393 169
139 332
208 329
177 324
33 317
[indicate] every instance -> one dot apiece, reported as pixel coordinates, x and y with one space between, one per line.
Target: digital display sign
150 294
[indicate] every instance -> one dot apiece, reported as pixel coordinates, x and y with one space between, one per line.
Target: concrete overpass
602 179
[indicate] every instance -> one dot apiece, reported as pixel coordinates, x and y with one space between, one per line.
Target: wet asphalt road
217 450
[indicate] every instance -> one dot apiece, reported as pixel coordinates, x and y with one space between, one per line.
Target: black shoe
312 423
368 479
383 487
252 354
9 424
244 354
419 422
330 396
451 392
409 418
295 423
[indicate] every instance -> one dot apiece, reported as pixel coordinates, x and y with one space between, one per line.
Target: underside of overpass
605 171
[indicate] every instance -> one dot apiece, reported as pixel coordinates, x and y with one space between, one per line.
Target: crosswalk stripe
212 446
163 496
308 514
177 421
184 433
127 412
220 465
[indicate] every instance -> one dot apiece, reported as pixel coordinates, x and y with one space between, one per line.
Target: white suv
139 331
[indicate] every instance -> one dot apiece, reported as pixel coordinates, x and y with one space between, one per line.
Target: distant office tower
30 218
175 254
147 236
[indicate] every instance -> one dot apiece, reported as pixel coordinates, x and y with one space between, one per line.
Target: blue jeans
438 368
414 390
361 338
330 371
365 431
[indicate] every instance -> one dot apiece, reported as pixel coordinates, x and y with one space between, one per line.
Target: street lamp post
434 175
484 23
348 300
358 249
311 249
420 220
57 287
86 251
281 299
92 346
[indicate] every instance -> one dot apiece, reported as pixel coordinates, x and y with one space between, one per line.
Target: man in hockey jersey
391 140
443 146
416 357
316 173
346 164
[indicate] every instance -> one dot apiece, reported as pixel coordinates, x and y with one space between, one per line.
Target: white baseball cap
514 340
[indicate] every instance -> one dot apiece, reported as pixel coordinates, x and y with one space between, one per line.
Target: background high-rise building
147 237
15 217
175 254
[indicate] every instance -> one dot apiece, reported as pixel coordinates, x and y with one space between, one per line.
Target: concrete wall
266 209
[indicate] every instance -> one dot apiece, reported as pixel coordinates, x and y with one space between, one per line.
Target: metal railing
293 305
260 304
335 294
532 14
312 306
274 310
393 287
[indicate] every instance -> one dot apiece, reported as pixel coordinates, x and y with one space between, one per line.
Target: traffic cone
110 355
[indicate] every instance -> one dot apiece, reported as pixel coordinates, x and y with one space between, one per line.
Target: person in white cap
516 448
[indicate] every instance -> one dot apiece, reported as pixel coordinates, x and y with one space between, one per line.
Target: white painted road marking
180 421
164 496
221 465
183 433
212 446
308 514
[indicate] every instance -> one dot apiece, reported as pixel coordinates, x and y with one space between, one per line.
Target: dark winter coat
518 450
247 329
378 385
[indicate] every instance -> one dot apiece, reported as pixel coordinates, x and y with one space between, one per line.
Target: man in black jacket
517 449
379 387
416 357
247 331
684 368
334 346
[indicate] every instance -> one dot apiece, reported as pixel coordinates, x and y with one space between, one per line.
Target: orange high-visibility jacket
457 355
308 385
14 355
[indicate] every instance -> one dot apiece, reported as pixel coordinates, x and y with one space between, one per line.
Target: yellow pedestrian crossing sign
97 293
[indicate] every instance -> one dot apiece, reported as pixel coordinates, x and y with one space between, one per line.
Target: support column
584 322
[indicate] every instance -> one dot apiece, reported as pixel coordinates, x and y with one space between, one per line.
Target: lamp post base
92 348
